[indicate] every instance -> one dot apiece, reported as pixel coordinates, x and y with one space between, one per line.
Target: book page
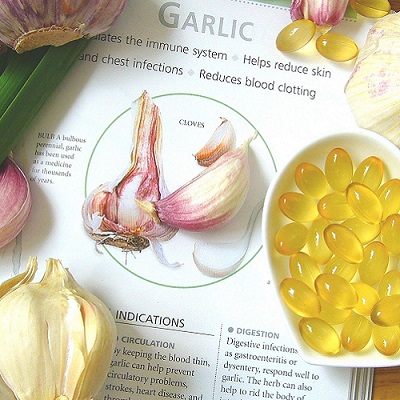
183 334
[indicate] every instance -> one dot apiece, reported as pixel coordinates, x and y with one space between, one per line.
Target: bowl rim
344 358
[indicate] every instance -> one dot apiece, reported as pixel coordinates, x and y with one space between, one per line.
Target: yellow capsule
390 233
369 172
386 311
356 333
336 47
375 263
316 245
291 238
364 203
295 35
298 207
371 8
334 207
301 299
389 284
344 243
303 268
338 169
341 267
311 180
389 196
386 339
336 291
320 336
367 298
365 232
333 315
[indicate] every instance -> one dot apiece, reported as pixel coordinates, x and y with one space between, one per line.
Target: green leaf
37 87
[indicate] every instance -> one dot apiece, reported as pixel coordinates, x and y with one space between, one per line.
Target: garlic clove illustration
28 24
56 339
209 200
373 89
15 200
222 140
218 260
110 213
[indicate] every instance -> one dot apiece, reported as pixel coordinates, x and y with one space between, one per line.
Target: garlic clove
372 90
110 214
28 24
15 200
209 200
222 140
72 330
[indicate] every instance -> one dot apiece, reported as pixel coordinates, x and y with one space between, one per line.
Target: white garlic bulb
28 24
56 339
373 89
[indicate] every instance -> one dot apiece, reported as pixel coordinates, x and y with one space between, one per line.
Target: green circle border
90 160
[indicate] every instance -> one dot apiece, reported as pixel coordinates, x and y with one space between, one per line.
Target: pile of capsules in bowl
343 243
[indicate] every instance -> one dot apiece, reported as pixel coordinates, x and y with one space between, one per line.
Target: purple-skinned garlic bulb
28 24
110 212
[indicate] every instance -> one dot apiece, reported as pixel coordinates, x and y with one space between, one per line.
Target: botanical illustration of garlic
209 200
110 213
222 140
28 24
373 89
56 339
15 200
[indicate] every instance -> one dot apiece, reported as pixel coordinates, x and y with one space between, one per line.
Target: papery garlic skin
110 213
15 201
209 200
56 339
373 89
324 13
28 24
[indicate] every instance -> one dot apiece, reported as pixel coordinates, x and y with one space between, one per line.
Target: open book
196 315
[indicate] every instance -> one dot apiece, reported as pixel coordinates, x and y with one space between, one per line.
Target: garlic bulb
209 200
56 339
15 200
28 24
373 89
222 140
110 214
324 13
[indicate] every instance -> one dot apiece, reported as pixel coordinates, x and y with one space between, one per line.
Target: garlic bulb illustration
222 140
28 24
373 89
110 213
56 339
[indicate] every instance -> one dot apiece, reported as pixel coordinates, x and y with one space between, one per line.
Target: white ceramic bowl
359 145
